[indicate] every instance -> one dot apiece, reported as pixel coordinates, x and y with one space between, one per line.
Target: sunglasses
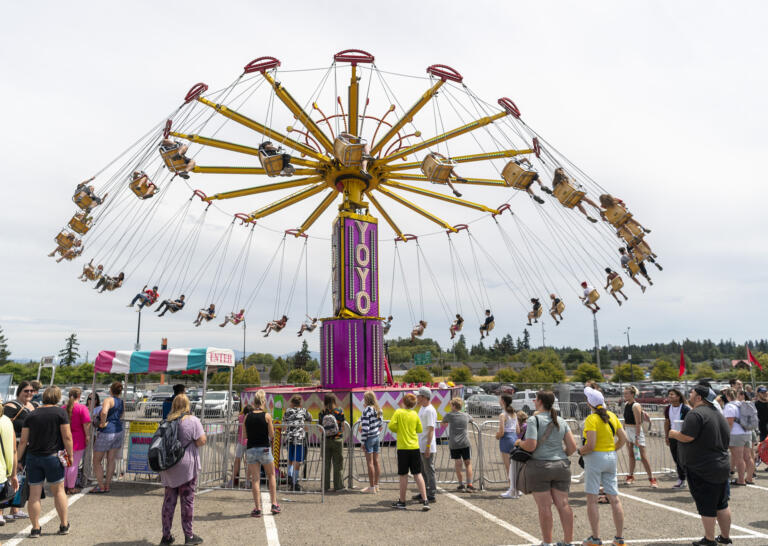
28 390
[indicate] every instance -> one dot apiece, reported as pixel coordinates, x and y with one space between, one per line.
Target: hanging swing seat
617 215
71 253
537 312
490 326
437 168
141 186
92 274
83 200
517 177
617 283
630 232
567 194
560 307
65 239
593 296
80 223
633 267
642 251
271 163
349 149
172 159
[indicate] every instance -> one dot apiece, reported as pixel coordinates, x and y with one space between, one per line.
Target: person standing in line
109 441
750 453
8 462
633 423
45 435
180 479
458 442
427 441
80 424
168 402
704 441
334 441
674 414
294 420
370 429
507 435
406 424
740 440
548 471
603 438
261 434
762 411
17 411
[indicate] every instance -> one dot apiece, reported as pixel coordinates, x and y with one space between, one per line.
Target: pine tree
69 354
301 358
526 340
4 352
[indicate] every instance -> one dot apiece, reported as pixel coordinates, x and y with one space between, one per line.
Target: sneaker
720 539
255 513
194 539
509 494
399 505
592 541
538 199
618 541
629 480
417 497
461 487
368 489
704 542
431 499
654 483
679 485
275 509
63 529
185 176
425 506
471 488
167 540
2 520
35 533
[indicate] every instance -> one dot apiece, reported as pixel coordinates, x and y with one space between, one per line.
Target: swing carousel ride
359 155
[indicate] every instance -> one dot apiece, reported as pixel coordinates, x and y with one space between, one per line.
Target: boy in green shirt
406 424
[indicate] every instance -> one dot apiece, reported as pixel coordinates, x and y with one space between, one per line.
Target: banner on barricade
139 437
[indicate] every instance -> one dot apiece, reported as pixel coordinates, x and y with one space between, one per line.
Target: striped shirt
370 423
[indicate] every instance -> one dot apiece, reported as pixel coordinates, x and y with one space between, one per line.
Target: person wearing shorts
703 442
109 440
633 423
740 441
370 429
294 420
406 424
260 433
458 442
240 447
603 437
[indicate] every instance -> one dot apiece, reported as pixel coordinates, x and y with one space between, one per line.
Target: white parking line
269 520
757 487
690 514
24 533
656 540
490 517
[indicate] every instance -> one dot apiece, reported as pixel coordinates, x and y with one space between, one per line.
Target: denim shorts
372 444
600 469
296 452
107 441
507 442
42 468
239 451
259 455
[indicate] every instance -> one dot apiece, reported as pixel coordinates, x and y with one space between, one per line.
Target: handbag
519 454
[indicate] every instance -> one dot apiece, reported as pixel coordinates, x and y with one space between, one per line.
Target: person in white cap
427 444
603 437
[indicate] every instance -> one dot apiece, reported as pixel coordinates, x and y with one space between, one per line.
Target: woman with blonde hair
370 428
80 423
180 479
260 433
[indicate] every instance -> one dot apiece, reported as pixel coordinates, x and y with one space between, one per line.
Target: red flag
682 363
752 359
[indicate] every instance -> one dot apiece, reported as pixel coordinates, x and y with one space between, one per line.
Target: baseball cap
594 397
424 391
761 389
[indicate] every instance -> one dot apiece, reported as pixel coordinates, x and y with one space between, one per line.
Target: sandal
602 499
98 490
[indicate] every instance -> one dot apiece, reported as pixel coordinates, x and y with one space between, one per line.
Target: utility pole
243 343
629 356
543 338
597 341
137 347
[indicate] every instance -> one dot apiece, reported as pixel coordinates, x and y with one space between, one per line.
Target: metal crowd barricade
311 479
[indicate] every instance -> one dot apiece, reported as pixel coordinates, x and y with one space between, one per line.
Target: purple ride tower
351 343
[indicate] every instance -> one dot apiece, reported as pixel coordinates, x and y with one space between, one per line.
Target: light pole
597 341
629 356
243 343
138 333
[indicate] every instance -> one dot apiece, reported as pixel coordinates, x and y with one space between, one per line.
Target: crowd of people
712 438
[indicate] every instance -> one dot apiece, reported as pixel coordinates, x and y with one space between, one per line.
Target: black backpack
166 450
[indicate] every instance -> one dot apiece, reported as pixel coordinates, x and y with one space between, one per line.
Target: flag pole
751 368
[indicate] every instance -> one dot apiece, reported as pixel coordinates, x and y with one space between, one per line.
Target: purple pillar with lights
351 343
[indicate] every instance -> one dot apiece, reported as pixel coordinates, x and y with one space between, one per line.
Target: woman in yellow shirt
603 436
406 424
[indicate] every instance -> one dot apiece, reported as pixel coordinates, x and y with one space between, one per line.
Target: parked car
469 391
153 407
524 400
216 403
491 388
483 405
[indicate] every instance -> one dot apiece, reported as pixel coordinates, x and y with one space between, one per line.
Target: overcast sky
663 103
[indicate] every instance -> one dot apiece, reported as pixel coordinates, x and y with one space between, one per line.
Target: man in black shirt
703 444
762 411
487 326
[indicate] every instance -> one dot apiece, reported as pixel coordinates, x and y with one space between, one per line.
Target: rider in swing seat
633 267
270 150
616 213
557 308
170 305
91 273
110 283
145 297
181 150
613 280
418 330
486 326
275 325
536 312
561 178
308 325
205 315
234 318
456 326
590 297
385 327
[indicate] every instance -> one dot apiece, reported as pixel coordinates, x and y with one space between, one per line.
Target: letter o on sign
363 302
362 255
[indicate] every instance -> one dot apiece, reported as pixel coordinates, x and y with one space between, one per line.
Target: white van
524 400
